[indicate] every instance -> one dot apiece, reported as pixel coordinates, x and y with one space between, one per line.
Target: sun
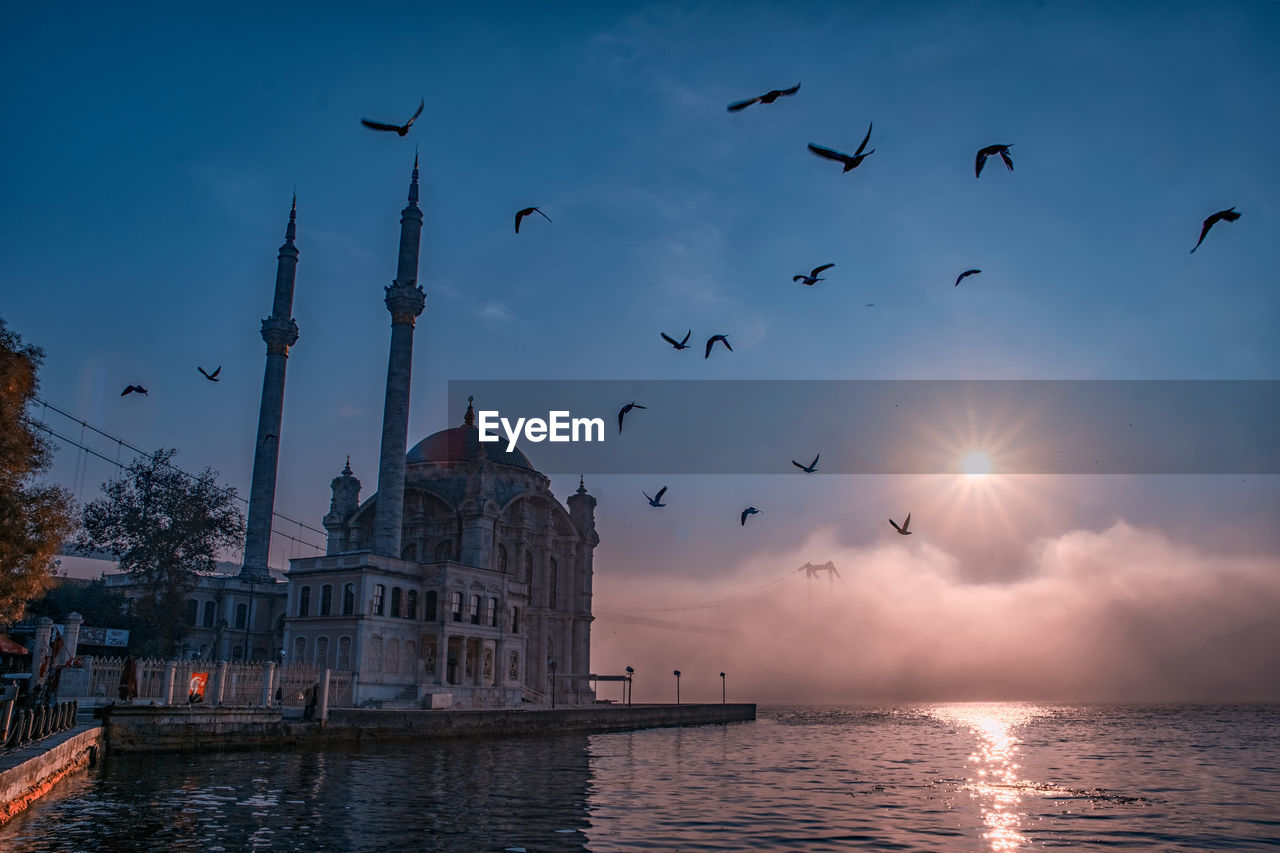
976 464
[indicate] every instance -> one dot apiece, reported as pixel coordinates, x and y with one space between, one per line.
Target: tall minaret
280 332
405 300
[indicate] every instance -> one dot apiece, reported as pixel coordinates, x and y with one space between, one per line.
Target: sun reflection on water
995 782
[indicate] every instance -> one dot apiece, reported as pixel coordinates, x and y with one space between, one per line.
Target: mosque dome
461 444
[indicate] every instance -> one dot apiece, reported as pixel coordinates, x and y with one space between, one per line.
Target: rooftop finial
582 488
291 230
347 468
413 182
470 419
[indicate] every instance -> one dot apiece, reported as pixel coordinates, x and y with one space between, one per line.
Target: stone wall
185 728
27 774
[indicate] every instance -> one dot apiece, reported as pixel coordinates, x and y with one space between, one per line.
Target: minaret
280 332
405 300
345 500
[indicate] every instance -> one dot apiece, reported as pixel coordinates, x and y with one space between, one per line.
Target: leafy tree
165 527
34 518
100 605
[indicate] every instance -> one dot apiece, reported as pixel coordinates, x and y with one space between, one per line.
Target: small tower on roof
345 501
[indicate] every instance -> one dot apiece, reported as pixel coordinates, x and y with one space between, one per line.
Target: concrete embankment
27 774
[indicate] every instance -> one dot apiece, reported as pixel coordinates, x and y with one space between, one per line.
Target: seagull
684 344
812 278
400 129
767 98
903 529
983 154
623 411
212 377
129 389
711 341
1229 214
849 162
656 500
521 214
965 275
810 468
748 511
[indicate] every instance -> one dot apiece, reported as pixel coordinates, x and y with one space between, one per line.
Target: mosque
461 581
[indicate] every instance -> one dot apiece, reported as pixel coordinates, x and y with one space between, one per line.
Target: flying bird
812 278
1229 214
767 98
212 377
656 500
903 529
400 129
965 275
711 341
521 214
984 153
810 468
623 411
748 511
684 344
129 389
848 161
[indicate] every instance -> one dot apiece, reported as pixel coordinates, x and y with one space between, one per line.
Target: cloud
491 310
346 410
1118 615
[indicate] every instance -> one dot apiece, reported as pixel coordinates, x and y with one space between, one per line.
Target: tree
100 605
165 527
35 518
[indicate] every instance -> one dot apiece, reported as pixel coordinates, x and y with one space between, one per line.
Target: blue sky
151 155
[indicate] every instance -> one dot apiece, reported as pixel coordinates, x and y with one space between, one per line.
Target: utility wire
719 602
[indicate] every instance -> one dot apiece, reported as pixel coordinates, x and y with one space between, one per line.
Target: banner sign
115 637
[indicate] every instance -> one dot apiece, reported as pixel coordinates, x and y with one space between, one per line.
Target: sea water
928 777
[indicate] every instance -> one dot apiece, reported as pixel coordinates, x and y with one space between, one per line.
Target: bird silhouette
1229 215
903 529
965 275
812 278
400 129
129 389
984 153
656 500
623 411
748 511
212 377
767 98
711 341
684 344
810 468
521 214
850 162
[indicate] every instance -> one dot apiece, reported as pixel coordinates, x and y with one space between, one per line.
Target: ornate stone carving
279 334
405 301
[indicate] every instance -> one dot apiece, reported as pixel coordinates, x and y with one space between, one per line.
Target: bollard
222 681
323 710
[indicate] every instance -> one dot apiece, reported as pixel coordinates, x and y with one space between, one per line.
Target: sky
151 156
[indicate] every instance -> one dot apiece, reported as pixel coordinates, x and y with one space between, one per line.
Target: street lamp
629 688
551 666
722 693
676 673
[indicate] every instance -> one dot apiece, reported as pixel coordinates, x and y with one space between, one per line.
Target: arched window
515 622
475 610
553 575
411 605
210 613
344 653
397 596
430 607
300 650
455 605
193 611
348 599
444 550
242 615
528 568
378 592
304 601
326 599
410 552
375 654
322 651
491 614
502 558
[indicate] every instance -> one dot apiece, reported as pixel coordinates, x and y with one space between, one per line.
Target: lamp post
630 689
676 673
722 693
551 665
